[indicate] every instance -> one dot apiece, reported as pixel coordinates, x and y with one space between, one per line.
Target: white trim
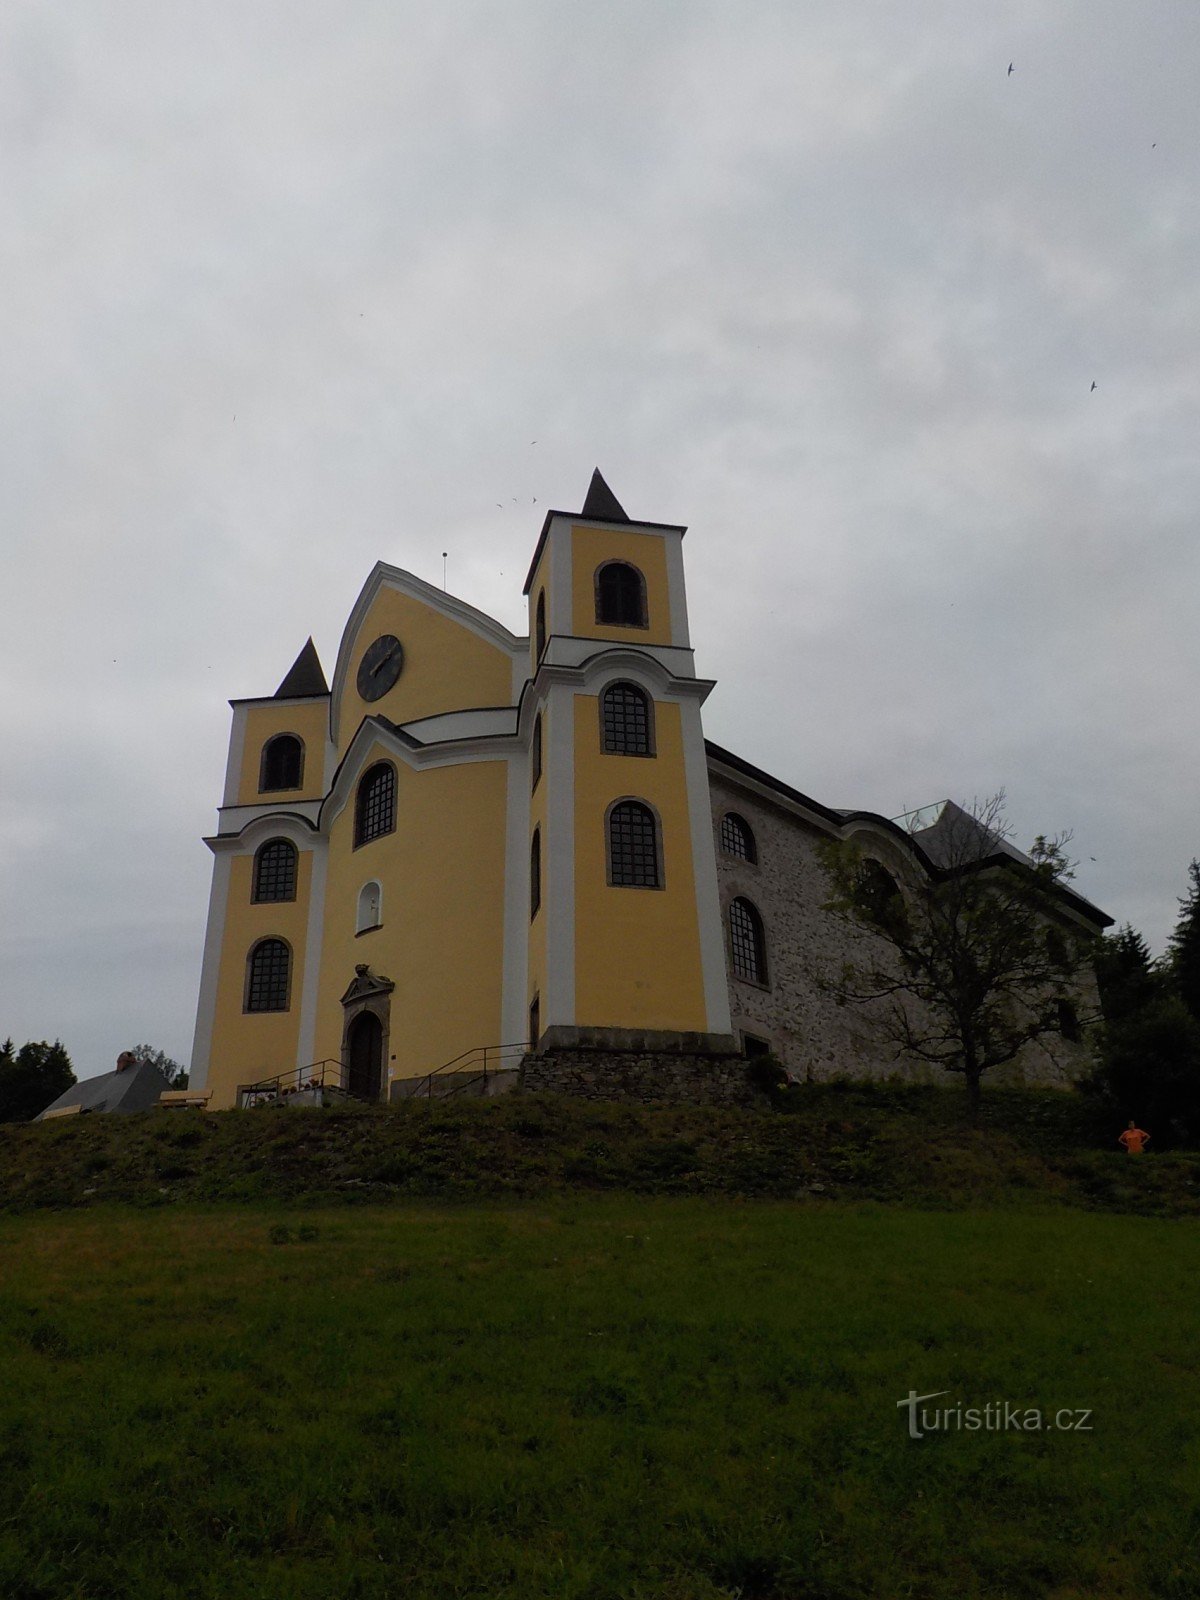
233 764
236 819
407 583
515 964
571 651
677 591
704 871
558 887
245 839
448 726
210 973
313 938
560 598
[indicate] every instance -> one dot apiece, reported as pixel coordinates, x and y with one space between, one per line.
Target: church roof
135 1089
600 503
305 678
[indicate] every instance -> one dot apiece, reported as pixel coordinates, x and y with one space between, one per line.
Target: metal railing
474 1066
331 1075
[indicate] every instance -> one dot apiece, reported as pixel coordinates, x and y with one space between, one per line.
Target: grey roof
135 1089
956 838
305 677
601 503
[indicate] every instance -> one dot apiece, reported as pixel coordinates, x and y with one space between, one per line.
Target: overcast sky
287 288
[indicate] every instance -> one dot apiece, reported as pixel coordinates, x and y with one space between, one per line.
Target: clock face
380 666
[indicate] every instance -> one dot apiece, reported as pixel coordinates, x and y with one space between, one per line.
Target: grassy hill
879 1142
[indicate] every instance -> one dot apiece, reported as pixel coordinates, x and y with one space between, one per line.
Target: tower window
625 720
736 838
370 908
268 974
274 871
535 873
1068 1022
375 806
540 626
620 596
633 846
747 943
282 764
536 753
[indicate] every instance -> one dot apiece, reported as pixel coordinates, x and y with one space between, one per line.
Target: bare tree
972 959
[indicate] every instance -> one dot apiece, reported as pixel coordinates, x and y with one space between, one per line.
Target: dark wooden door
365 1056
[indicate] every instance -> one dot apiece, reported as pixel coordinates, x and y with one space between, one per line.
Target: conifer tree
1184 945
1126 974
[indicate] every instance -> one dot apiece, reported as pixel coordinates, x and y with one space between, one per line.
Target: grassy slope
608 1397
876 1142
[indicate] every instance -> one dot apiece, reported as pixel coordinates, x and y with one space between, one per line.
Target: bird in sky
1010 69
1093 385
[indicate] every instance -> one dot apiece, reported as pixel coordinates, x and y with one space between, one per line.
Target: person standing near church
1134 1139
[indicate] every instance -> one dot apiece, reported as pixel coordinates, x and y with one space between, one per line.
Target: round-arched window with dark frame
274 872
282 764
737 838
747 941
620 596
375 803
268 976
626 722
634 860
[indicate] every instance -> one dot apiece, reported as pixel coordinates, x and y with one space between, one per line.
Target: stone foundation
655 1077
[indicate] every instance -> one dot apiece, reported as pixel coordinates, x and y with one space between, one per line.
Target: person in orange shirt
1134 1139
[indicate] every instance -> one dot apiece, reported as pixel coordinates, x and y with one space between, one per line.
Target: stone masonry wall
813 1036
662 1078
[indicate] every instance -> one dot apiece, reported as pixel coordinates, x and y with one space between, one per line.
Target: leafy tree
1127 976
972 961
171 1070
32 1078
1184 945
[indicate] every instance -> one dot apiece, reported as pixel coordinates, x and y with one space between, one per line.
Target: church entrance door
364 1074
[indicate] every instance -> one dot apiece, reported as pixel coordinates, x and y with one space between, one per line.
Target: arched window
620 596
736 837
540 626
370 908
1068 1022
633 846
747 943
878 894
535 873
535 1022
268 976
625 722
375 807
536 753
282 764
1056 948
274 871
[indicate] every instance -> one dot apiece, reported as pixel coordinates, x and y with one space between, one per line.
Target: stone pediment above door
367 985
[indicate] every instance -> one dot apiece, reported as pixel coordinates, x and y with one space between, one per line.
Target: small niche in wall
370 908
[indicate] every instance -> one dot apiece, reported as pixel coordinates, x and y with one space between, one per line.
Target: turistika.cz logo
997 1416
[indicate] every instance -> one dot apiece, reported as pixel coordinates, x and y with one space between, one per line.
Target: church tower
625 942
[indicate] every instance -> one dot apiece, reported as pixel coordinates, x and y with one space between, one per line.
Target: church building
474 839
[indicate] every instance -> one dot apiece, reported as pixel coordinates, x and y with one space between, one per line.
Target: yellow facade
415 942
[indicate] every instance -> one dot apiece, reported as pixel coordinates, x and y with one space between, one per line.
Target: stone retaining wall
649 1078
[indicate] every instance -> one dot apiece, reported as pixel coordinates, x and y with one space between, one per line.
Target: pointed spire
305 677
601 502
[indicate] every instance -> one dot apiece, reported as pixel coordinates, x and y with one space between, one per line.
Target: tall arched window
282 765
268 976
370 908
633 860
540 626
535 873
274 871
879 895
747 942
536 753
375 805
625 721
736 837
1056 948
620 596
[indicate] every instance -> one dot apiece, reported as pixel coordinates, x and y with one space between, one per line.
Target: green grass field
593 1395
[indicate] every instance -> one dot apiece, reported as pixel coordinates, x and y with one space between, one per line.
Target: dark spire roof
305 678
601 502
135 1089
